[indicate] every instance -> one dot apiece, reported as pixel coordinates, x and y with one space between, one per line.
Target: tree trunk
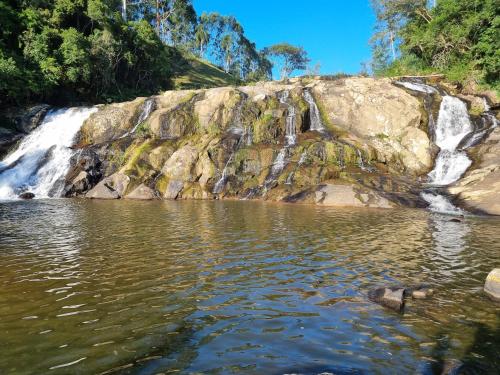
124 10
158 20
393 49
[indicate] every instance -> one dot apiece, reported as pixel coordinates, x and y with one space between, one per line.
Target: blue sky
335 33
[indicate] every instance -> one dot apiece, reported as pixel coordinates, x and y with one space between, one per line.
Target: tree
457 38
288 57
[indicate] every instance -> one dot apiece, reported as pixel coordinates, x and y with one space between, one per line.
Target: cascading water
290 139
41 161
451 163
314 114
244 134
452 126
290 129
147 107
417 86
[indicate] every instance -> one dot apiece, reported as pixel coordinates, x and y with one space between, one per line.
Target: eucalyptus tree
288 58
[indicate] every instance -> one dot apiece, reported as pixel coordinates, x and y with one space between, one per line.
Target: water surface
240 287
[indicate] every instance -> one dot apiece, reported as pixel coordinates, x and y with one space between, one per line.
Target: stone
422 293
392 298
174 187
27 195
142 192
111 122
347 196
479 189
381 115
112 187
492 285
84 173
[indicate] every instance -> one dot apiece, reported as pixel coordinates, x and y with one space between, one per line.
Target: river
89 287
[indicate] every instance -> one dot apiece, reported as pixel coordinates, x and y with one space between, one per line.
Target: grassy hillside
194 73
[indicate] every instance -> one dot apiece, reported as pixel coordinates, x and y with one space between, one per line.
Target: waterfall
40 163
452 126
416 86
146 108
244 135
290 129
290 139
314 114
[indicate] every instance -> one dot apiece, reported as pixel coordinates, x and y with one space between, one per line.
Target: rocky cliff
347 142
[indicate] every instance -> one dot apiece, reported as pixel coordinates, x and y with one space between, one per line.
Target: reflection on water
239 287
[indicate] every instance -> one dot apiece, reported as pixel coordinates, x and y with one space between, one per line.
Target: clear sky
335 33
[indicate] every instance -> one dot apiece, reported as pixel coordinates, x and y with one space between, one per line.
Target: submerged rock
392 298
27 195
492 285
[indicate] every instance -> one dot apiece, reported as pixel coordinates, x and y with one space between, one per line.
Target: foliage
288 57
65 50
458 38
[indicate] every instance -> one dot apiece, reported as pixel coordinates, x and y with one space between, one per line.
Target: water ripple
245 287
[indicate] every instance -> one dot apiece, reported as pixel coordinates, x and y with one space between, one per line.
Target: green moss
162 184
143 130
381 136
261 128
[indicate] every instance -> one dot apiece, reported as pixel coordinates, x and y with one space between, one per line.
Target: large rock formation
479 189
347 142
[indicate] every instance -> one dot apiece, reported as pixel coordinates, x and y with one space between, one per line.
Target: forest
106 50
460 39
71 51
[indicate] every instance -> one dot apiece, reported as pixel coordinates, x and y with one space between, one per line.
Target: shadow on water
174 352
481 357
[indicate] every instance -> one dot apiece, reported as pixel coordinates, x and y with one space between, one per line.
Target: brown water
240 287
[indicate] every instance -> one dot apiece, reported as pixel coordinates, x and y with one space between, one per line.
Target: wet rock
479 189
384 116
111 122
27 195
112 187
452 367
349 196
174 187
492 285
84 173
142 192
422 293
392 298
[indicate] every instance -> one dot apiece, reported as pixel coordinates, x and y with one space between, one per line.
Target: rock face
382 116
84 173
479 189
357 142
492 285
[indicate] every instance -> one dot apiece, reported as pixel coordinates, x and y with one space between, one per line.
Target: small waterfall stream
290 139
244 138
41 161
314 114
147 107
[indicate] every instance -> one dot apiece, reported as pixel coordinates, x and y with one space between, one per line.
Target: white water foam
42 159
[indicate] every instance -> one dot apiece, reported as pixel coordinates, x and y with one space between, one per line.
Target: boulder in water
142 192
492 285
84 173
27 195
112 187
392 298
